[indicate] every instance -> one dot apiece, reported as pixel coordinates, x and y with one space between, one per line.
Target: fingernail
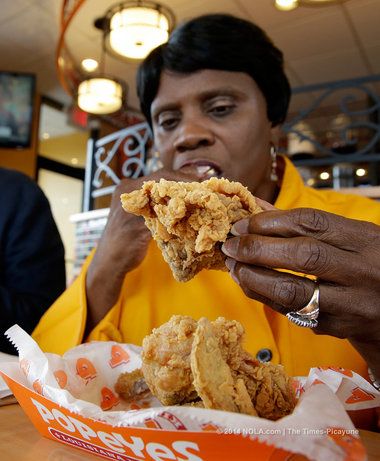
234 278
230 246
265 205
240 227
231 263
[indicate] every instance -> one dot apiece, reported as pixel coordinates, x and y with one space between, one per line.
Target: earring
153 163
273 154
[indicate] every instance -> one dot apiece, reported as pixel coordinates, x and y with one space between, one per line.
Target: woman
214 95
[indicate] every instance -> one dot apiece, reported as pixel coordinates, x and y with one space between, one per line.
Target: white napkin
4 389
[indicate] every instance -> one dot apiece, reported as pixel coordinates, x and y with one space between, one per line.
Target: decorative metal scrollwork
353 121
131 146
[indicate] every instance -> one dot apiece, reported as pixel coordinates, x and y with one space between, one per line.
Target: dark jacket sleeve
32 266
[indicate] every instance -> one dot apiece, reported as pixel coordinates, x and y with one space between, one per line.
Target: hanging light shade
100 95
132 29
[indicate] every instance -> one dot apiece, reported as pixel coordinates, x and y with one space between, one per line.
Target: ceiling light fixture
89 64
132 29
100 94
287 5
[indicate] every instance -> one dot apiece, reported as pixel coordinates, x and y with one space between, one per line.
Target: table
20 441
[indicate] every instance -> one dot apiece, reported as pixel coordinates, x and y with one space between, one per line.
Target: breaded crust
190 220
212 377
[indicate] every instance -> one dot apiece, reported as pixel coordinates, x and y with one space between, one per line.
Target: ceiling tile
83 20
373 53
12 56
336 65
12 8
51 7
314 35
88 48
32 29
264 13
47 80
365 16
294 79
198 7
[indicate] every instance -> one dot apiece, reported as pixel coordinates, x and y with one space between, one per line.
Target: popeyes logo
115 446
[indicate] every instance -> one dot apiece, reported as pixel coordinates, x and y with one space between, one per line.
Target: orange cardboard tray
138 444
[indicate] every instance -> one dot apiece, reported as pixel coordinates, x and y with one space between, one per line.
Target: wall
65 148
65 197
24 160
63 192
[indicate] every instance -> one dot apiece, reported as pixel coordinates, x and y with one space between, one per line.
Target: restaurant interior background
332 53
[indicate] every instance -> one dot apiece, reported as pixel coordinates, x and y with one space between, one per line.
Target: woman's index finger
341 232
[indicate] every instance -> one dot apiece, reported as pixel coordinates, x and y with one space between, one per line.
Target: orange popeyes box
71 399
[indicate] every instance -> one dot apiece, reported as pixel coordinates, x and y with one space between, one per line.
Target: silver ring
307 316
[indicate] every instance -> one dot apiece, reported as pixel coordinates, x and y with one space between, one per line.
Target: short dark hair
219 42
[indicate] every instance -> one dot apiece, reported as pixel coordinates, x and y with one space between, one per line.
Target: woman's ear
275 135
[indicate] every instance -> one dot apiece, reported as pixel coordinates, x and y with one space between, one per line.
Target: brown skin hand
343 253
121 249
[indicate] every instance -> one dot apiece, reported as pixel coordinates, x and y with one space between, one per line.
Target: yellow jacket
150 296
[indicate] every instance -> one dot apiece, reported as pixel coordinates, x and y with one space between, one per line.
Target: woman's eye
222 110
168 123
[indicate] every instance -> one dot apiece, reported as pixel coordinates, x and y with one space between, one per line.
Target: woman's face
214 123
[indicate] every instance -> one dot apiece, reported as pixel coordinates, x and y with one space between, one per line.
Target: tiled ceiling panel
365 16
320 44
317 68
264 14
314 35
373 53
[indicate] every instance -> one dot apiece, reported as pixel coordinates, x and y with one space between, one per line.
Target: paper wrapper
83 380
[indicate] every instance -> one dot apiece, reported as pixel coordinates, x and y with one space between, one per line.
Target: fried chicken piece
195 404
166 356
269 388
130 384
166 361
212 377
184 360
230 334
190 220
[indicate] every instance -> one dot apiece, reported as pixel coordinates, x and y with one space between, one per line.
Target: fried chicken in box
190 220
203 363
166 361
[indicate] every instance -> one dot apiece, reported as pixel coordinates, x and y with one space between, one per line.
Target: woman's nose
192 135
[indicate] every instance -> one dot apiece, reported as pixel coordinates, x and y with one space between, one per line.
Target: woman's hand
344 254
122 248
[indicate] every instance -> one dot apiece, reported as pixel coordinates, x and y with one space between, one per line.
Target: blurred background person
32 264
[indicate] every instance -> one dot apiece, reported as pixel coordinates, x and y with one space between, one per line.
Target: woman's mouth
203 170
